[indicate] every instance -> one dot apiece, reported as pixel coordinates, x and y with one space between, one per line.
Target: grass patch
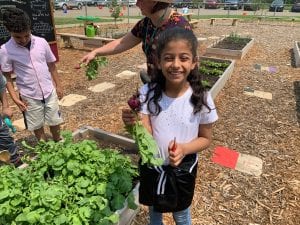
65 20
70 20
249 17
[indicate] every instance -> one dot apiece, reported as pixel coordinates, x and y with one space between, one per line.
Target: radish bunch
147 146
91 69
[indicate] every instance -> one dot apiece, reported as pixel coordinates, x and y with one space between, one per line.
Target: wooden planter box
220 83
297 53
235 54
126 214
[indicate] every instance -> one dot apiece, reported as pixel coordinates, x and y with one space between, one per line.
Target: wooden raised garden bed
232 46
297 53
215 73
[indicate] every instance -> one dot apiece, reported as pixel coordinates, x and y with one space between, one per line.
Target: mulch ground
268 129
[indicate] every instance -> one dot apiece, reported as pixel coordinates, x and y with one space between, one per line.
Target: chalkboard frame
41 14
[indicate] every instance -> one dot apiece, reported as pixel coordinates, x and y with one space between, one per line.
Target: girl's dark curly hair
158 81
15 20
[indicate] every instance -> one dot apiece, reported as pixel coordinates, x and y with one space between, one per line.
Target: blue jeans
181 218
6 140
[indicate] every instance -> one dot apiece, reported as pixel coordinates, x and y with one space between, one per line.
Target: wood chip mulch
268 129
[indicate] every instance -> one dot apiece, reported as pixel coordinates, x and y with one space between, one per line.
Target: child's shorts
40 112
6 140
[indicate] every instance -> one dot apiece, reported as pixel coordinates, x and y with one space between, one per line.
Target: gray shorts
41 112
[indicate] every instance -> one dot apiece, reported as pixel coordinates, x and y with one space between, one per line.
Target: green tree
115 10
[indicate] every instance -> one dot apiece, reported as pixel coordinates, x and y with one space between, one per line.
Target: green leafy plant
210 72
211 68
147 146
206 84
68 183
237 39
91 69
212 64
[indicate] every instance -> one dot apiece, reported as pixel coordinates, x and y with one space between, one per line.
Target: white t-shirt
177 119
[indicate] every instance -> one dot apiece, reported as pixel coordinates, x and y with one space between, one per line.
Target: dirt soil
268 129
234 43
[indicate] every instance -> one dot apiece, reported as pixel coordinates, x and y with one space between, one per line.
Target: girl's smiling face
177 61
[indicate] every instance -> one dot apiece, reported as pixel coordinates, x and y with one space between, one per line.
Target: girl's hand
176 153
128 116
87 58
22 105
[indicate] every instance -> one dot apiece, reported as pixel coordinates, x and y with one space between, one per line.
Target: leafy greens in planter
210 68
211 71
69 183
233 41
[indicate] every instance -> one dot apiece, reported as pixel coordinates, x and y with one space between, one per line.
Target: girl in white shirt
179 113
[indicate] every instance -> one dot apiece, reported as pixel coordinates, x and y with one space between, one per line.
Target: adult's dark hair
159 6
15 19
158 81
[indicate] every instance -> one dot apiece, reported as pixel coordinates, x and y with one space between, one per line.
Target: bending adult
158 16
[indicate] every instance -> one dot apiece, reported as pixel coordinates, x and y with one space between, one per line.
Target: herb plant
68 183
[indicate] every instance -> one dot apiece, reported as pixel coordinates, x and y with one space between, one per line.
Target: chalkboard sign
41 16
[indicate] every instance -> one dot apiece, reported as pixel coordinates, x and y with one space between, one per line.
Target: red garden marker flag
225 157
242 162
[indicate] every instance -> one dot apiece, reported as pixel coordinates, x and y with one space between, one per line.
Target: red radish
134 103
77 67
147 146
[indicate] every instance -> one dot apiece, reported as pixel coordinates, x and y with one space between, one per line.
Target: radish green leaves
148 148
91 69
